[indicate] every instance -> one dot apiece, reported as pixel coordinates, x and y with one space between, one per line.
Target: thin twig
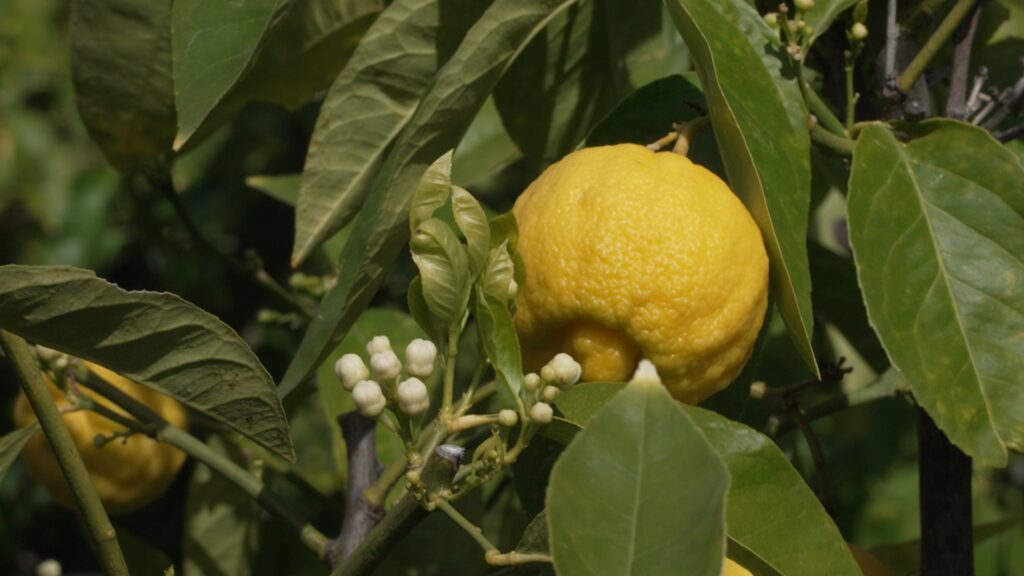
973 101
1006 103
361 515
817 454
935 42
892 37
1011 133
398 522
838 145
956 103
70 461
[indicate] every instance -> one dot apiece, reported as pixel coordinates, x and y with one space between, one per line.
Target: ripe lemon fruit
128 473
633 254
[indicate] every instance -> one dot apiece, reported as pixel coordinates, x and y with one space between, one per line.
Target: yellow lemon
127 473
730 568
633 254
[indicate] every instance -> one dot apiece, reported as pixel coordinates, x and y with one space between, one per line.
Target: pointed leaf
473 223
937 228
456 95
420 311
441 259
500 272
214 44
500 341
121 68
433 191
761 126
368 105
638 491
824 12
284 188
154 338
11 445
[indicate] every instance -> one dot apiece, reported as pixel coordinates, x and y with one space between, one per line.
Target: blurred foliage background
60 203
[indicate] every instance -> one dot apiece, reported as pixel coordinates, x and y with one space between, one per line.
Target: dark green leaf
215 43
824 12
641 34
121 68
761 126
771 511
535 537
905 557
369 104
11 445
500 340
441 259
563 81
638 491
937 228
446 110
221 522
284 188
485 149
839 300
154 338
583 401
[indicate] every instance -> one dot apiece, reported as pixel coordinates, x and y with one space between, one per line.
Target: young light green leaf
420 311
11 445
433 191
154 338
499 274
375 96
121 69
638 491
455 96
761 125
214 44
444 269
937 229
561 83
500 340
472 222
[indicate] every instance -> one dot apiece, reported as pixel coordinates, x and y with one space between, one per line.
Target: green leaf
500 272
215 43
221 522
156 339
500 340
420 311
761 126
284 188
772 514
485 149
121 69
374 97
445 112
11 445
771 511
641 34
905 557
505 229
472 222
434 189
563 81
441 259
638 491
535 537
824 12
937 228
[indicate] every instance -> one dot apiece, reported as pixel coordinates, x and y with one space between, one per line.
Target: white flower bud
419 357
385 365
547 373
531 381
646 373
378 344
803 5
508 418
49 567
369 398
550 393
859 31
566 371
413 397
758 390
541 413
351 370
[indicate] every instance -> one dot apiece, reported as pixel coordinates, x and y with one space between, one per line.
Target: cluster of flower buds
373 395
541 390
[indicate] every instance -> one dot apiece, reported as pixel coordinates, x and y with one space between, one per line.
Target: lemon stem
68 458
688 133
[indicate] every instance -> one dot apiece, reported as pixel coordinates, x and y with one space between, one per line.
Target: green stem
851 96
402 518
451 354
924 57
379 490
824 114
472 529
837 144
68 458
241 478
